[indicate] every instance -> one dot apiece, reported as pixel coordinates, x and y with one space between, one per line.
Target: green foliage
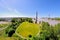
57 30
45 26
15 22
3 25
48 32
1 19
55 18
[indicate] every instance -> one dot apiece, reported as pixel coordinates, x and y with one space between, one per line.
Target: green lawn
8 38
27 29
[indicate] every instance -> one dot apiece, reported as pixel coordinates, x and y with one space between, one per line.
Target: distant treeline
55 18
9 19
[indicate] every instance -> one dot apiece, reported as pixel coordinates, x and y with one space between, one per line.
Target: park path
4 22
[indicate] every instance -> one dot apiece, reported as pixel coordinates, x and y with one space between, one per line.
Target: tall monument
36 17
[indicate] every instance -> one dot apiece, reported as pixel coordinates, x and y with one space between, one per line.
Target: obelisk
36 17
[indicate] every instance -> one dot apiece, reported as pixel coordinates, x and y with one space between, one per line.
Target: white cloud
12 12
10 15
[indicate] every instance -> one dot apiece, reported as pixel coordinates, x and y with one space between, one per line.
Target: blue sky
28 8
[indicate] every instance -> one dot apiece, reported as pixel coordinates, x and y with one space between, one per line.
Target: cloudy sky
28 8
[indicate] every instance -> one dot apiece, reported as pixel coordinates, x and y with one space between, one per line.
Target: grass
8 38
28 29
3 36
2 29
3 25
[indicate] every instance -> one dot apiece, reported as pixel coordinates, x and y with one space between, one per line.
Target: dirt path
4 22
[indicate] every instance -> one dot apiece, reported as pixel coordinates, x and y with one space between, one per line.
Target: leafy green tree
15 23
